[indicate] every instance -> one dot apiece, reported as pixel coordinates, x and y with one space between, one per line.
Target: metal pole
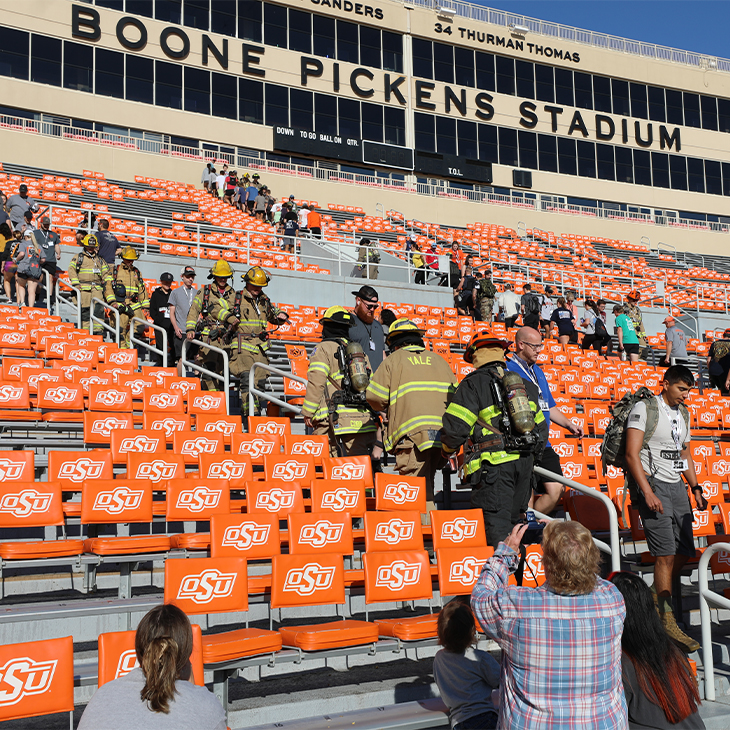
225 378
93 318
146 345
254 391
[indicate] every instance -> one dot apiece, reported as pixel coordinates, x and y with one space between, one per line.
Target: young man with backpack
530 305
657 456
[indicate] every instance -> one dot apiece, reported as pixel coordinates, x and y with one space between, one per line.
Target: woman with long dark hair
159 694
658 683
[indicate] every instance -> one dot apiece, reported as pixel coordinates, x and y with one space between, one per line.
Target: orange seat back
236 468
277 425
315 446
98 426
317 532
400 575
156 467
274 496
534 573
195 498
218 423
307 580
161 400
250 536
207 585
210 402
385 531
134 441
73 468
349 468
113 398
106 501
459 568
30 504
458 528
397 493
17 466
290 468
337 496
190 444
61 396
167 424
256 446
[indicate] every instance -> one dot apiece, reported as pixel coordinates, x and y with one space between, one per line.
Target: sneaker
684 642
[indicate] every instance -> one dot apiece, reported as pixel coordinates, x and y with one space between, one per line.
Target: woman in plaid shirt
561 642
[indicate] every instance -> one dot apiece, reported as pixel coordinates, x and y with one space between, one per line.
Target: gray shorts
669 533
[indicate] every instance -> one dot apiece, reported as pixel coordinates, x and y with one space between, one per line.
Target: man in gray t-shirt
676 343
365 328
657 489
179 302
18 204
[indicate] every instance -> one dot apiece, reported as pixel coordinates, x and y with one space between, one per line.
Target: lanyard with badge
678 463
544 405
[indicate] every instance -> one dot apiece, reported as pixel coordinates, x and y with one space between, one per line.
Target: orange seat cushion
63 417
127 545
20 416
231 645
191 541
72 509
409 629
259 583
40 549
330 635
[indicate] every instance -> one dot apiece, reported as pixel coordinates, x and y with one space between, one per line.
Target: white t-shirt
303 216
220 182
510 303
661 457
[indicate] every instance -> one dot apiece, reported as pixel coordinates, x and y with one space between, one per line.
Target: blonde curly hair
570 558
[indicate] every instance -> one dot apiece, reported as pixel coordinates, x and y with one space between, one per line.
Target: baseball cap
668 320
187 271
367 294
291 197
167 277
45 221
23 188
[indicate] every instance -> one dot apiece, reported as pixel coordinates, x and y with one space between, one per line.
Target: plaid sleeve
488 595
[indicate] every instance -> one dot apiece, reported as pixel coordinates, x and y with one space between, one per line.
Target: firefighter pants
86 297
353 444
240 364
411 462
124 327
502 495
212 361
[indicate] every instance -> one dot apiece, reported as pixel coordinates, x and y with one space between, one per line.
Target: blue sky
694 25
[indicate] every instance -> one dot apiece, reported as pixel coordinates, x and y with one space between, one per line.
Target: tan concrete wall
68 156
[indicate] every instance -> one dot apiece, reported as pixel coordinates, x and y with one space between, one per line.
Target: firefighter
500 449
368 258
413 386
131 295
331 408
89 273
631 308
210 315
249 342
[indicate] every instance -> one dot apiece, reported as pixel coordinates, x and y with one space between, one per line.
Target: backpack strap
652 420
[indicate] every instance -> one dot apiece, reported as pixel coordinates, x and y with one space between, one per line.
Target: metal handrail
48 279
144 343
614 549
254 391
115 330
706 597
66 302
225 378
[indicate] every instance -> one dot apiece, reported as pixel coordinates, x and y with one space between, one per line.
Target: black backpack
532 306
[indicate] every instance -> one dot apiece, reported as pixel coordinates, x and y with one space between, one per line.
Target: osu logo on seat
110 397
227 469
466 571
705 450
256 448
340 499
81 355
393 531
459 529
721 468
25 677
398 574
709 489
613 471
164 400
137 386
184 386
206 402
701 519
348 471
289 470
121 357
534 564
321 533
138 444
313 448
274 500
199 445
13 338
220 427
564 450
26 502
270 427
80 469
127 662
17 369
168 425
10 393
572 470
89 380
245 535
309 579
105 426
593 449
156 471
401 492
118 499
11 470
199 498
206 586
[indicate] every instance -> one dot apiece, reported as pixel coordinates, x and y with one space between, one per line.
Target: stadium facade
439 100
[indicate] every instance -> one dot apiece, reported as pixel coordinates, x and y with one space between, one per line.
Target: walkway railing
224 378
144 343
113 313
254 392
708 597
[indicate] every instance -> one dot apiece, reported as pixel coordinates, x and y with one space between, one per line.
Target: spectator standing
230 187
28 275
314 221
108 242
365 329
304 218
419 264
160 313
510 305
675 342
588 324
530 307
8 258
631 309
49 244
16 205
561 642
572 305
277 209
259 204
628 341
658 684
4 217
180 302
563 318
484 294
432 259
456 261
386 317
658 455
464 674
213 182
290 222
220 184
205 177
718 363
413 387
546 311
293 204
464 298
528 345
158 694
27 225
